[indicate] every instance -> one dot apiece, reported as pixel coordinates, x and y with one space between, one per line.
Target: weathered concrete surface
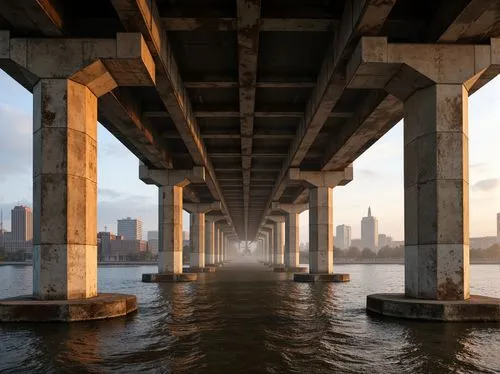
101 306
64 191
206 269
437 193
288 269
308 277
474 309
169 277
170 196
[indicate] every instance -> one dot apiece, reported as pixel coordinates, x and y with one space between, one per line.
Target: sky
378 173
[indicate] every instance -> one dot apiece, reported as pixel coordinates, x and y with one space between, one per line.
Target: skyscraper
498 227
343 237
22 223
130 229
369 231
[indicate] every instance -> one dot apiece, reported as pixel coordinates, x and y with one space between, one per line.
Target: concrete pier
292 252
279 242
171 184
197 234
436 174
321 222
66 87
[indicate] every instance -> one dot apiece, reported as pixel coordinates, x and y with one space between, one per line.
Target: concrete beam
120 113
266 24
227 113
360 17
401 68
143 16
202 207
47 17
99 64
248 19
457 20
376 115
235 84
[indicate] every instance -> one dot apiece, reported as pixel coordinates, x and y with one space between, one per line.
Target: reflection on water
251 323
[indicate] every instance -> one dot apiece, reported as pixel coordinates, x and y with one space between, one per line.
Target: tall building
343 237
369 231
153 241
498 227
130 229
22 223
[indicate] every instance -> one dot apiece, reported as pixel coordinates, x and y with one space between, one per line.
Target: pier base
206 269
103 306
308 277
475 309
158 277
297 269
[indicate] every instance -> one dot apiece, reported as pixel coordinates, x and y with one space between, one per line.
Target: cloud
109 193
486 185
15 142
366 173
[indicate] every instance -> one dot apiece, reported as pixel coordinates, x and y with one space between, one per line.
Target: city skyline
378 173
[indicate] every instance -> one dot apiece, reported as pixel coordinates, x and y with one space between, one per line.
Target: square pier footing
308 277
158 278
475 309
297 269
206 269
103 306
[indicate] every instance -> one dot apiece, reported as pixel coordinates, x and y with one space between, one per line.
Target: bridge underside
248 88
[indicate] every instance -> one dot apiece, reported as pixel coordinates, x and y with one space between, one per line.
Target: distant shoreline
336 261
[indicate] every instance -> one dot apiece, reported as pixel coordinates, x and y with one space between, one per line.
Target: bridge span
246 113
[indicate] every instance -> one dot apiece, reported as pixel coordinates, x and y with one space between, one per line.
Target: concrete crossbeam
321 178
266 24
171 177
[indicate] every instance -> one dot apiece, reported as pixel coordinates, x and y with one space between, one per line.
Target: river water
232 323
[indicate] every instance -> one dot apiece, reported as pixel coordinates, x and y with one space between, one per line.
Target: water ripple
248 323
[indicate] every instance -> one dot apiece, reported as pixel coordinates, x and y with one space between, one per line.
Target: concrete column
67 76
320 230
292 240
64 190
321 215
209 243
437 193
197 236
222 246
217 245
170 230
